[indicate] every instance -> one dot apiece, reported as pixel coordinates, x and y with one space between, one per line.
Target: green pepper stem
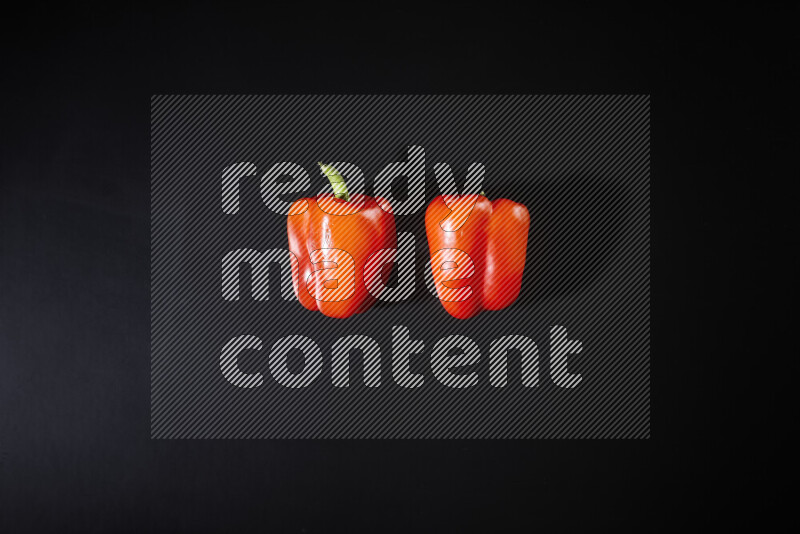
336 180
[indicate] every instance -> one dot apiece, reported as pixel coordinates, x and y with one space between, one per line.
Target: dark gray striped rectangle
581 164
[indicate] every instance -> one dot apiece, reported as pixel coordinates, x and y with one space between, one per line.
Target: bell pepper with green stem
332 236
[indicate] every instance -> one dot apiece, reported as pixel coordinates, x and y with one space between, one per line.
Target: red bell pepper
332 236
477 255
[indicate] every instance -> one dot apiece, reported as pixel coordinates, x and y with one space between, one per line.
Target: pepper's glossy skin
322 226
495 236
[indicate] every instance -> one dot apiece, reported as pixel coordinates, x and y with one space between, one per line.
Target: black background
74 302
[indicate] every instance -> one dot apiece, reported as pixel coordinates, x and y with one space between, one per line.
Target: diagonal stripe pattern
245 363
